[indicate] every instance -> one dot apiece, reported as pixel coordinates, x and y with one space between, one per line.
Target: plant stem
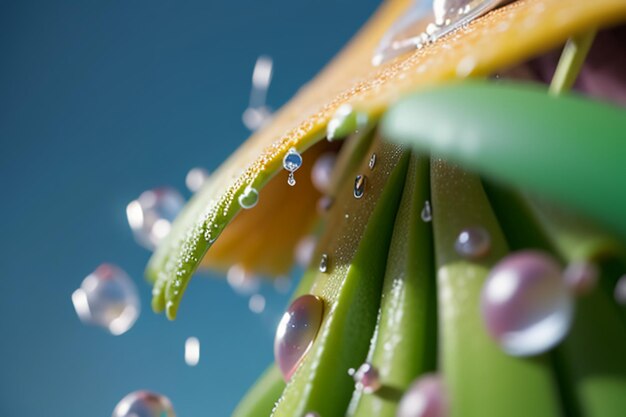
571 61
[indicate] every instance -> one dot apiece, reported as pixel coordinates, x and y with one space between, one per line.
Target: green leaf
567 148
260 399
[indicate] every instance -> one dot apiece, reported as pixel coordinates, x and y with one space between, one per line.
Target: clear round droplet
425 397
345 122
324 263
581 277
372 162
473 242
359 186
249 198
144 404
195 179
526 305
426 213
292 160
242 281
107 298
322 171
620 291
296 332
151 215
367 378
304 250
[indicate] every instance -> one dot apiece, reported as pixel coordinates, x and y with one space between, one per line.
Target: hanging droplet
367 378
322 171
151 215
359 186
324 263
195 179
107 298
192 351
525 303
372 163
620 291
345 122
144 404
242 280
426 213
292 161
249 198
304 250
581 277
425 397
473 242
296 332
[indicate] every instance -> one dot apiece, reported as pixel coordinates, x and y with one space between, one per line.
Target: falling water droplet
324 263
242 280
367 378
426 214
473 242
256 304
372 163
425 397
345 122
620 291
359 186
107 298
192 351
195 179
151 215
581 277
144 404
248 198
321 173
525 303
296 332
292 161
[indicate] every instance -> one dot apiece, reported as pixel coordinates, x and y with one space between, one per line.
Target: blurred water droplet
242 281
367 378
620 291
345 122
282 284
426 213
311 414
258 114
473 242
292 161
151 215
425 397
192 351
296 332
324 263
359 186
256 303
248 198
581 277
195 179
254 118
304 250
372 162
525 303
321 173
107 298
144 404
324 204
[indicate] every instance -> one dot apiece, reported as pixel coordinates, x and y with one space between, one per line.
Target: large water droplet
525 303
195 179
321 174
108 298
426 213
359 186
425 397
151 215
292 161
144 404
296 332
581 277
473 242
367 378
248 198
345 122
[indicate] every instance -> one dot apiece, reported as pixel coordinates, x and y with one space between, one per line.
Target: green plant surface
262 396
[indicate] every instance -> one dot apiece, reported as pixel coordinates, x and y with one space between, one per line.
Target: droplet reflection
425 397
473 242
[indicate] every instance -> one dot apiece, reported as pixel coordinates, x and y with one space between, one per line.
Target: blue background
100 100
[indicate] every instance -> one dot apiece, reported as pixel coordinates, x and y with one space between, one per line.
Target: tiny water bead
107 298
425 397
324 263
473 242
372 162
248 198
367 378
151 215
345 122
296 332
426 213
581 277
359 186
525 303
192 351
292 161
321 174
144 404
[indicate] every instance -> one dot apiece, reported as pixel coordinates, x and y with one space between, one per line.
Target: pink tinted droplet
426 397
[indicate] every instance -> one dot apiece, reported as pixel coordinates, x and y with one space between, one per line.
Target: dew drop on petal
324 263
144 404
473 242
321 173
359 186
425 397
107 298
195 179
426 213
367 378
248 198
151 215
296 332
581 277
372 162
525 303
292 160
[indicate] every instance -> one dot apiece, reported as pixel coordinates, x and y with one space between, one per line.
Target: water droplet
296 332
151 215
258 114
372 163
425 397
367 378
304 250
282 284
345 122
359 186
321 174
581 277
108 298
256 304
620 291
324 204
248 198
254 118
426 213
525 303
144 404
324 263
195 179
460 12
473 242
311 414
192 351
292 161
465 66
242 280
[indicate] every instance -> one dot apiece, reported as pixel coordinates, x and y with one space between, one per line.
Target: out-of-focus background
99 101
